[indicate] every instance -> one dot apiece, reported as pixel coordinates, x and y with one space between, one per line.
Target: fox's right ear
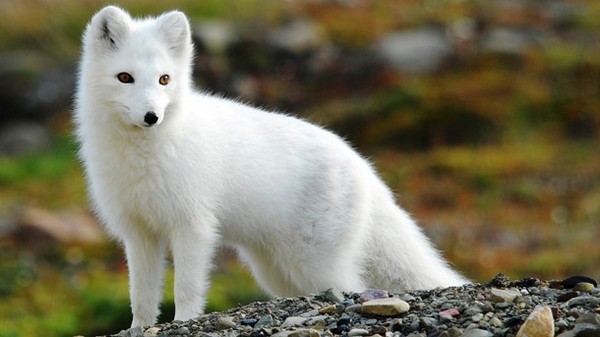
108 27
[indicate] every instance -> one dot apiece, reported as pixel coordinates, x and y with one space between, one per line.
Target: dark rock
572 281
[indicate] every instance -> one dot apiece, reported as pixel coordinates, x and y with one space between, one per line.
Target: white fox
170 168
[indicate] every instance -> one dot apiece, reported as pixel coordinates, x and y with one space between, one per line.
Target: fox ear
109 27
174 29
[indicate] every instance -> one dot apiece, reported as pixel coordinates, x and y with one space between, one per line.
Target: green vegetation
495 155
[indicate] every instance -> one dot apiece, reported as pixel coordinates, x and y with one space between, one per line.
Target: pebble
328 309
293 321
372 294
151 332
477 333
358 332
540 323
504 296
226 322
385 307
263 322
354 308
335 296
583 300
584 286
304 333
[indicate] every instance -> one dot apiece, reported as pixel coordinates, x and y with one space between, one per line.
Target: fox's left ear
174 28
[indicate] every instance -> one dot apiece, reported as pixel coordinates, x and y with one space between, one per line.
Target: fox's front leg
146 263
192 256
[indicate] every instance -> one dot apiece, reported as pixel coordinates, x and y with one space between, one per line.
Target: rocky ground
529 307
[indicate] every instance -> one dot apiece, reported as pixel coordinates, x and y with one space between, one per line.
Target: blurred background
481 115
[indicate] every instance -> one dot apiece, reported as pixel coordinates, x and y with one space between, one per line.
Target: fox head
136 69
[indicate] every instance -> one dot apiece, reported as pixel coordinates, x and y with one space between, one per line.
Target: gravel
498 308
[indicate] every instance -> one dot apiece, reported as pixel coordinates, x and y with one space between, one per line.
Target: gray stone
358 332
452 332
428 322
293 321
583 300
477 333
263 322
334 295
132 332
354 308
226 322
504 296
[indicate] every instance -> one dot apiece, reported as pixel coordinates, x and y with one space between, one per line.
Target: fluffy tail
399 256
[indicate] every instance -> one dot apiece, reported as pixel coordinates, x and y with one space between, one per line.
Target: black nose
151 118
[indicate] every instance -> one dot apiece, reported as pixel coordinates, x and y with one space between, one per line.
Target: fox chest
146 192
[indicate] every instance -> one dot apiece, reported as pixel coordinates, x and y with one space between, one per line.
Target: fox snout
150 118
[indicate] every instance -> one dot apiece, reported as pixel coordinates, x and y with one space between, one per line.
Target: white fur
303 210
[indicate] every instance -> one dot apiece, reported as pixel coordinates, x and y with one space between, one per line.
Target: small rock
334 296
428 322
316 320
358 332
450 312
567 296
328 309
151 332
454 332
477 333
263 322
225 322
583 300
293 321
584 286
589 318
540 323
504 296
378 330
304 333
372 294
132 332
572 281
385 307
354 308
248 321
586 330
496 322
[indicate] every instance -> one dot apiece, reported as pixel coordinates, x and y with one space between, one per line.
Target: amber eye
125 78
164 79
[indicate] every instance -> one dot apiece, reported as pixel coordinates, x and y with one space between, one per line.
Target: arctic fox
172 169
